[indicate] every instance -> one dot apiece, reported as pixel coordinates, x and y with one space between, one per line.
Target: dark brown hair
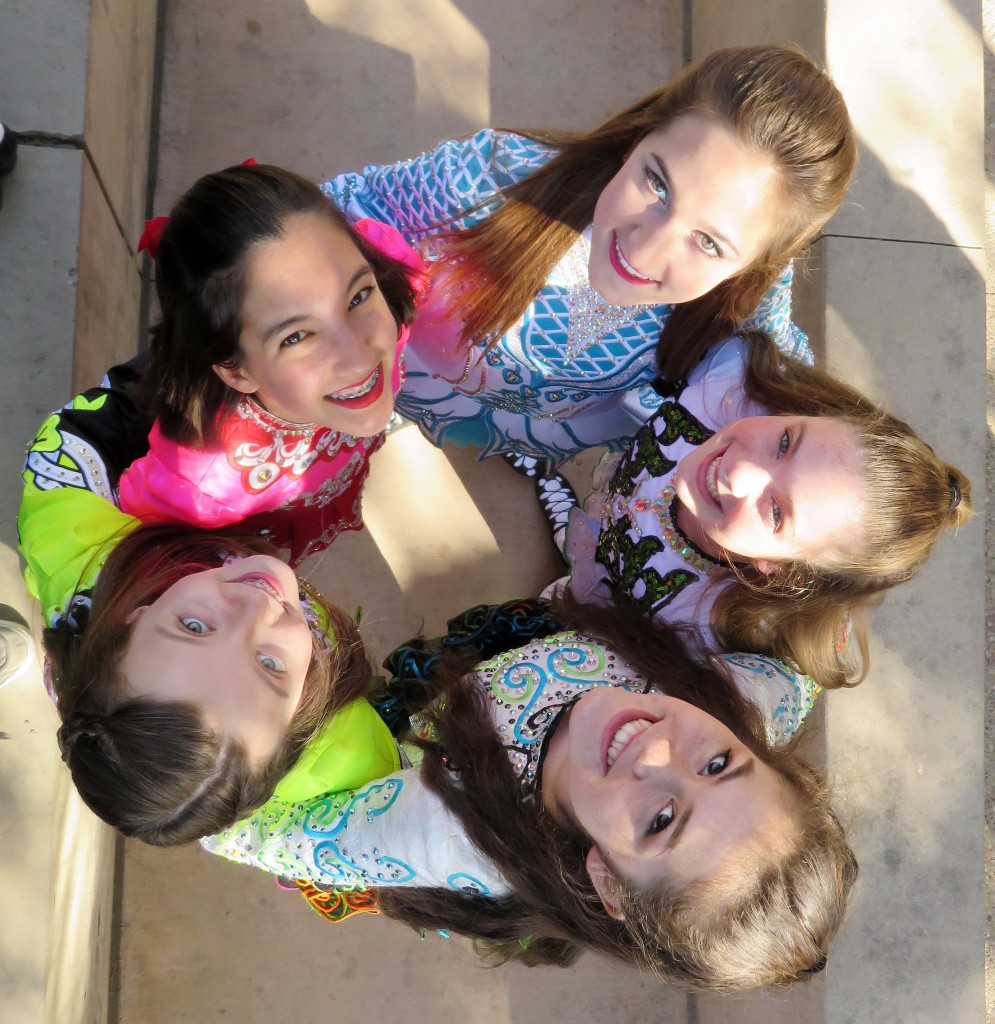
772 931
153 769
775 102
200 282
800 612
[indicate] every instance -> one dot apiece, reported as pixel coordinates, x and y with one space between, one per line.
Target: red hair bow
152 234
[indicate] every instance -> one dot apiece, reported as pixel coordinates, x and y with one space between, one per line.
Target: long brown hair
153 769
776 928
802 612
776 103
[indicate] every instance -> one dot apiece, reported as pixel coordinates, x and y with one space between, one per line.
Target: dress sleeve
773 315
784 696
68 521
387 833
438 190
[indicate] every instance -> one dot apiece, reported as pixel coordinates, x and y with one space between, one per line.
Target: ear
765 566
134 614
236 378
605 884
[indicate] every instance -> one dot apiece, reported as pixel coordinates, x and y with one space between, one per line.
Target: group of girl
614 769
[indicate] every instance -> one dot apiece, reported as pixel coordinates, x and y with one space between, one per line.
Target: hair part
813 615
775 101
201 268
779 925
153 769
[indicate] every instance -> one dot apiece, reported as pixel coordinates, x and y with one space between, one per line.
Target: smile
709 479
624 268
266 584
360 395
623 736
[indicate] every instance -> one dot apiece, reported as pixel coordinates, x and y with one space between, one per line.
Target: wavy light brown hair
773 100
774 929
800 611
153 769
201 278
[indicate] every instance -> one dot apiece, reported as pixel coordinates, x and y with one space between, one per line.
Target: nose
745 476
352 354
655 245
654 755
250 609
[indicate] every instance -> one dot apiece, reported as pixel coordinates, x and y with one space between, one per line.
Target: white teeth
713 490
628 266
358 391
621 738
263 585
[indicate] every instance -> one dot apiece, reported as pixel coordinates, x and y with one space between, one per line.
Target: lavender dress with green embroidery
554 384
626 541
396 832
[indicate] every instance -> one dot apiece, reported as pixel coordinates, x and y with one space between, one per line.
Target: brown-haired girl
275 361
563 261
596 789
193 673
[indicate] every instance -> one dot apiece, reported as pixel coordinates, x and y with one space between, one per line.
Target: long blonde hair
776 103
802 612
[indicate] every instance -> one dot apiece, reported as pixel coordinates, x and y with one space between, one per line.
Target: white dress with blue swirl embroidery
537 390
395 832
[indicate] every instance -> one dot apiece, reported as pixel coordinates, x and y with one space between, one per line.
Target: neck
689 525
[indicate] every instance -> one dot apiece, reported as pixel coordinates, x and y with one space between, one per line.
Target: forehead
310 244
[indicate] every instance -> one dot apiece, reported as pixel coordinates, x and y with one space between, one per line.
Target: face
318 339
774 488
237 645
665 791
689 208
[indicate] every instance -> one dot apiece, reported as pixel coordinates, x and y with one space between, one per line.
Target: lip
702 480
613 726
269 585
622 267
370 389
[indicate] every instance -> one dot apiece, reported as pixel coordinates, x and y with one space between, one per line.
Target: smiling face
318 339
665 791
236 644
689 208
774 488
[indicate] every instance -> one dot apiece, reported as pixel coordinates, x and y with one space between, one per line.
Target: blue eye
784 444
662 821
718 764
196 626
776 516
271 664
658 186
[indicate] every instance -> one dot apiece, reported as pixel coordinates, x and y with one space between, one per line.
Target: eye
192 625
784 444
271 664
658 185
361 296
709 247
718 764
662 821
293 339
776 516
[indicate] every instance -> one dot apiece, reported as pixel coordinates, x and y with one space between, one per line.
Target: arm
388 833
436 191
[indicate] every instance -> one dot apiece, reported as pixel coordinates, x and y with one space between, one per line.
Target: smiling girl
597 789
562 261
769 503
275 363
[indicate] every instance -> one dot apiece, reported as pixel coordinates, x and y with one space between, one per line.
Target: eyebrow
675 836
189 638
711 232
294 318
